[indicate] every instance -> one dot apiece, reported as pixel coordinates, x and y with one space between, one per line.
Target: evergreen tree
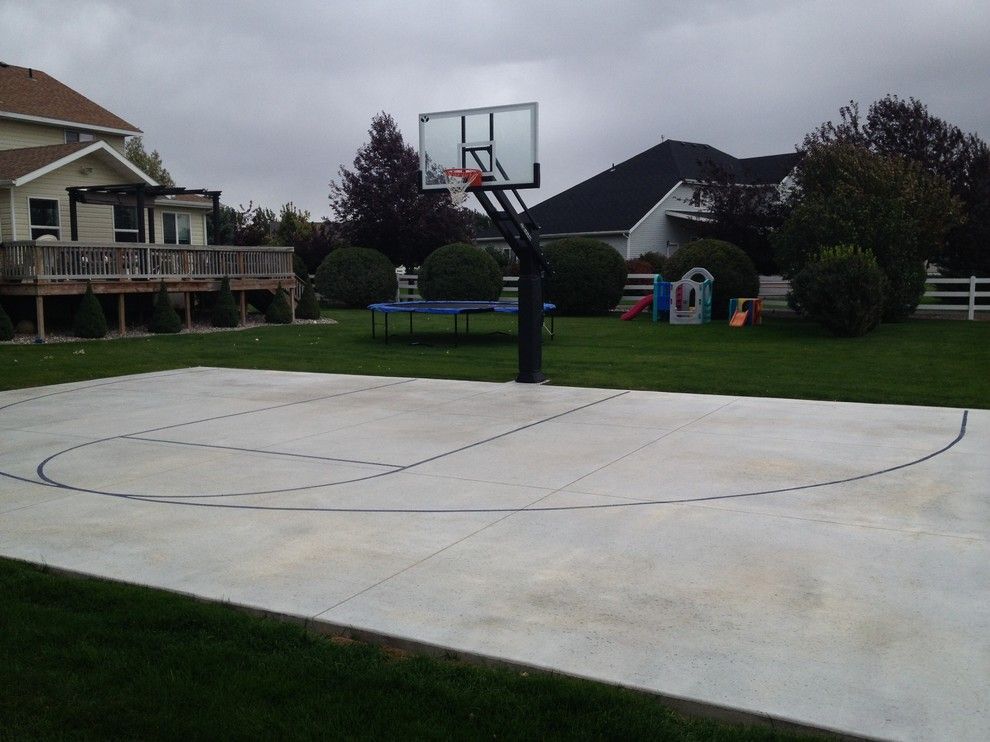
379 205
279 312
225 313
7 327
90 322
308 307
164 318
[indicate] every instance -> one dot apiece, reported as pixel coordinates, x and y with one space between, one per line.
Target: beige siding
196 224
5 233
17 134
95 222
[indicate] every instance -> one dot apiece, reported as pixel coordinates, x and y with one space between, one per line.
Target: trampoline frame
453 308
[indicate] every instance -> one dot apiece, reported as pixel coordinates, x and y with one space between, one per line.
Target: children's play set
689 301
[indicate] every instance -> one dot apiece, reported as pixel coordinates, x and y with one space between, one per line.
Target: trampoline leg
410 323
467 324
386 328
372 324
455 330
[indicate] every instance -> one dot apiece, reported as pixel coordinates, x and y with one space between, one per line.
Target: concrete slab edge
686 706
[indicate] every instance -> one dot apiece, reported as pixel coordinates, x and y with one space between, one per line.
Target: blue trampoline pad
451 307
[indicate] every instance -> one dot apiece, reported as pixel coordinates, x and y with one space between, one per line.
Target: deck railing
57 261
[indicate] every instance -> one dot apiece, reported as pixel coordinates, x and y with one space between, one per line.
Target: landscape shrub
299 266
225 312
504 257
733 271
279 312
842 289
460 272
6 326
587 276
89 322
164 318
655 259
356 277
638 265
308 307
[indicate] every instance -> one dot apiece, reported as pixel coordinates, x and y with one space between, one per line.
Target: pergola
140 195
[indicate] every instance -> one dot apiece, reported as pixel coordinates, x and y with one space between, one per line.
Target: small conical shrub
164 318
6 326
279 312
225 312
90 322
308 307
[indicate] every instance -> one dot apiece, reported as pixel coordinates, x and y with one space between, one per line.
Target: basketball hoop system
459 179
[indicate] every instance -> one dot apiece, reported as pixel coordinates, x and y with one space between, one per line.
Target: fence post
971 314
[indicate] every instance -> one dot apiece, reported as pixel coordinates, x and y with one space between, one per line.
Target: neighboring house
644 204
53 138
74 211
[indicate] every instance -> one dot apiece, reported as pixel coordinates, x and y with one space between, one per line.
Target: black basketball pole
524 240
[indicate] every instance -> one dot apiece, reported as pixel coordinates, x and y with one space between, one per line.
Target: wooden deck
51 268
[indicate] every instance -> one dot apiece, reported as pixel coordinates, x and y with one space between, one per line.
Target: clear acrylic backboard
500 141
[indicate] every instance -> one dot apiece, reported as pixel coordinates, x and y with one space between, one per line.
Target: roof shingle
31 92
17 162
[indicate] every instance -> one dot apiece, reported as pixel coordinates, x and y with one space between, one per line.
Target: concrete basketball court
820 562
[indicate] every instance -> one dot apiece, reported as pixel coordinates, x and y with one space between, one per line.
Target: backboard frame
469 150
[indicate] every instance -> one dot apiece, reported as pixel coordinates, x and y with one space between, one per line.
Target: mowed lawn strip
918 362
88 659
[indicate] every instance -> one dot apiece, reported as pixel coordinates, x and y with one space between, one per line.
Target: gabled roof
616 199
32 95
20 166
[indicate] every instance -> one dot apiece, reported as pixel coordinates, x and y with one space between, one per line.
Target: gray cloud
267 100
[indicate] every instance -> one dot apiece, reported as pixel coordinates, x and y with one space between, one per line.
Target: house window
71 135
125 224
44 217
176 229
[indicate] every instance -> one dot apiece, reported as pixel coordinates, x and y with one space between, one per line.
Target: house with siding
644 204
74 210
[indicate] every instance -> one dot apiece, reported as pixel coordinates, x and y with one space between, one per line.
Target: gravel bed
198 328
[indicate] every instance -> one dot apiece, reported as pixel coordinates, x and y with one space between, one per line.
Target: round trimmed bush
460 272
587 276
6 326
164 319
225 312
733 271
279 312
842 289
356 277
89 322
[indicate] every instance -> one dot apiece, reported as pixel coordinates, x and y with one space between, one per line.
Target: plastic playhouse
687 301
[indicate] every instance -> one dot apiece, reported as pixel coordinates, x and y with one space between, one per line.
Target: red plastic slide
638 307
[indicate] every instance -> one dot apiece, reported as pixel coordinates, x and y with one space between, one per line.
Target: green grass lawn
87 659
930 362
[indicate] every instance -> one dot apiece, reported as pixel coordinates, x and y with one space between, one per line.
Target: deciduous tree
894 126
150 163
379 206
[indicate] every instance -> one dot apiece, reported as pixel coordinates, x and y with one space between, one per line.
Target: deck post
188 307
243 307
121 317
140 215
292 299
73 216
39 312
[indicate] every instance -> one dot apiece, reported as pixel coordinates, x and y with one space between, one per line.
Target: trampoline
453 308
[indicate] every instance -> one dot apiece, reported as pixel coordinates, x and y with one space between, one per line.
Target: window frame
125 230
71 136
175 215
57 227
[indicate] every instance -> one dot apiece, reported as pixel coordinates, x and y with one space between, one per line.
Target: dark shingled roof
17 162
614 200
34 93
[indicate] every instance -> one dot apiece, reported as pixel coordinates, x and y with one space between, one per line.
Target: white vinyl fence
773 290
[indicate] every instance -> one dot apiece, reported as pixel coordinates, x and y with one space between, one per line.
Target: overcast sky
266 100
